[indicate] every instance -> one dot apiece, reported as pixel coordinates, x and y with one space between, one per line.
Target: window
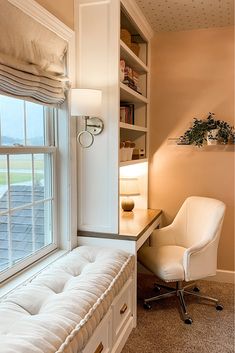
27 183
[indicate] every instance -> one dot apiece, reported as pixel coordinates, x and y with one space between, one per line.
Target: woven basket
135 48
126 37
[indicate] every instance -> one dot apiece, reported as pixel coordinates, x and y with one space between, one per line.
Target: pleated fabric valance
32 58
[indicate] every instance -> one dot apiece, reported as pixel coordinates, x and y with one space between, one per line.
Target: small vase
212 137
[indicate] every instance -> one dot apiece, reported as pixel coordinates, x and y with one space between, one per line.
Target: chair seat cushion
166 262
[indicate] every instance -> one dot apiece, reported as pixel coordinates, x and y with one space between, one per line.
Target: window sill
24 276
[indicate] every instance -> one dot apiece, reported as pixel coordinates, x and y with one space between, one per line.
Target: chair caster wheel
196 289
157 288
188 321
147 306
219 307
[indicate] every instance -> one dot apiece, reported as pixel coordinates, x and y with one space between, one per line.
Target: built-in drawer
122 309
100 341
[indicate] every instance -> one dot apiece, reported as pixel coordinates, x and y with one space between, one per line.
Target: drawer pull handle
123 309
99 348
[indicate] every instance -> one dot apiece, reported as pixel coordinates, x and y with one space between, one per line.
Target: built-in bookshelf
134 88
100 166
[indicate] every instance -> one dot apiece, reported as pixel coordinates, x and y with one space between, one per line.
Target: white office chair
186 250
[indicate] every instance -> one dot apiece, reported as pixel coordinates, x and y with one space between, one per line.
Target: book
127 111
122 114
122 70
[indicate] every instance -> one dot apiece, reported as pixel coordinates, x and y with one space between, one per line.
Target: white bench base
114 329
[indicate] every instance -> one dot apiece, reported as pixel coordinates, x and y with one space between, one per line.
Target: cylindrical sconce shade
86 102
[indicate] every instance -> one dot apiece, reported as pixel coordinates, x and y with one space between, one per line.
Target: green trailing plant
202 128
225 132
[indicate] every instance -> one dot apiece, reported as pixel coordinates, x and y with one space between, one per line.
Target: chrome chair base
180 291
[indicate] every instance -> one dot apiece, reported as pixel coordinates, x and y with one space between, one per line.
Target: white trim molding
40 14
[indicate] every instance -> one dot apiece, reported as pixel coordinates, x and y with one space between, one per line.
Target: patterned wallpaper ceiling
180 15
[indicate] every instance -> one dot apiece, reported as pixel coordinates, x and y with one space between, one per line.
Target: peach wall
192 74
62 9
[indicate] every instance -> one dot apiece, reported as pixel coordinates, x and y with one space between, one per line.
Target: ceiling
181 15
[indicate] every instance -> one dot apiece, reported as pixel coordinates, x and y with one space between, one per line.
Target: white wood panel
100 340
124 302
98 67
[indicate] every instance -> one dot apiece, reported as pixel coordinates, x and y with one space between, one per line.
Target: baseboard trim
222 276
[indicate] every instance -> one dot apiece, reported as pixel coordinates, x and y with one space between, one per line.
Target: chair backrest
198 220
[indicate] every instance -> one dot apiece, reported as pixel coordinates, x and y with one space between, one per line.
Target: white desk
135 229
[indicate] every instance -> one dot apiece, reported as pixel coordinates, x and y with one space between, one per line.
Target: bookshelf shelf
129 95
133 127
132 162
131 59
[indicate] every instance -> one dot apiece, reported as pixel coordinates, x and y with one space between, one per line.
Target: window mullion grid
49 152
9 213
49 139
27 205
33 209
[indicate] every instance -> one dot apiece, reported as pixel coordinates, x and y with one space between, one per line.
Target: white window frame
24 262
66 161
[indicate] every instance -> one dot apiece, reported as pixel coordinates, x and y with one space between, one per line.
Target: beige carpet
161 329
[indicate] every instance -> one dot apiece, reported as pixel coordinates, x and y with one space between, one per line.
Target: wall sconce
87 104
128 187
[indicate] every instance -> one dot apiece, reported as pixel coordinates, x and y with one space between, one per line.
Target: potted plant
209 130
219 130
225 131
195 135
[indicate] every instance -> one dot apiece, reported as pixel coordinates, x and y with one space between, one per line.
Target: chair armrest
200 260
163 236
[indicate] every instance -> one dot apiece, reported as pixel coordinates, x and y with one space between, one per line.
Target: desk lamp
128 187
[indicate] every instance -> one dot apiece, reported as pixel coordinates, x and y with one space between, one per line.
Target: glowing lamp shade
86 102
128 187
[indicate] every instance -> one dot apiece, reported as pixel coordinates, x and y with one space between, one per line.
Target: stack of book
127 111
129 77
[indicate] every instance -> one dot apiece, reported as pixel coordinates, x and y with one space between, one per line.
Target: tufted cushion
60 308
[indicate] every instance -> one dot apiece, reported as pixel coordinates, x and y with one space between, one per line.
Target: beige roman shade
32 58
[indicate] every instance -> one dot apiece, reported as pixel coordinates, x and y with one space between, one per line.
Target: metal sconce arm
93 126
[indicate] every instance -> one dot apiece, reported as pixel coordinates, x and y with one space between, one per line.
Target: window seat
61 309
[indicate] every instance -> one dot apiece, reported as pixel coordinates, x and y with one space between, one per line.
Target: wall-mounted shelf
131 59
129 95
133 127
135 161
210 148
218 147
